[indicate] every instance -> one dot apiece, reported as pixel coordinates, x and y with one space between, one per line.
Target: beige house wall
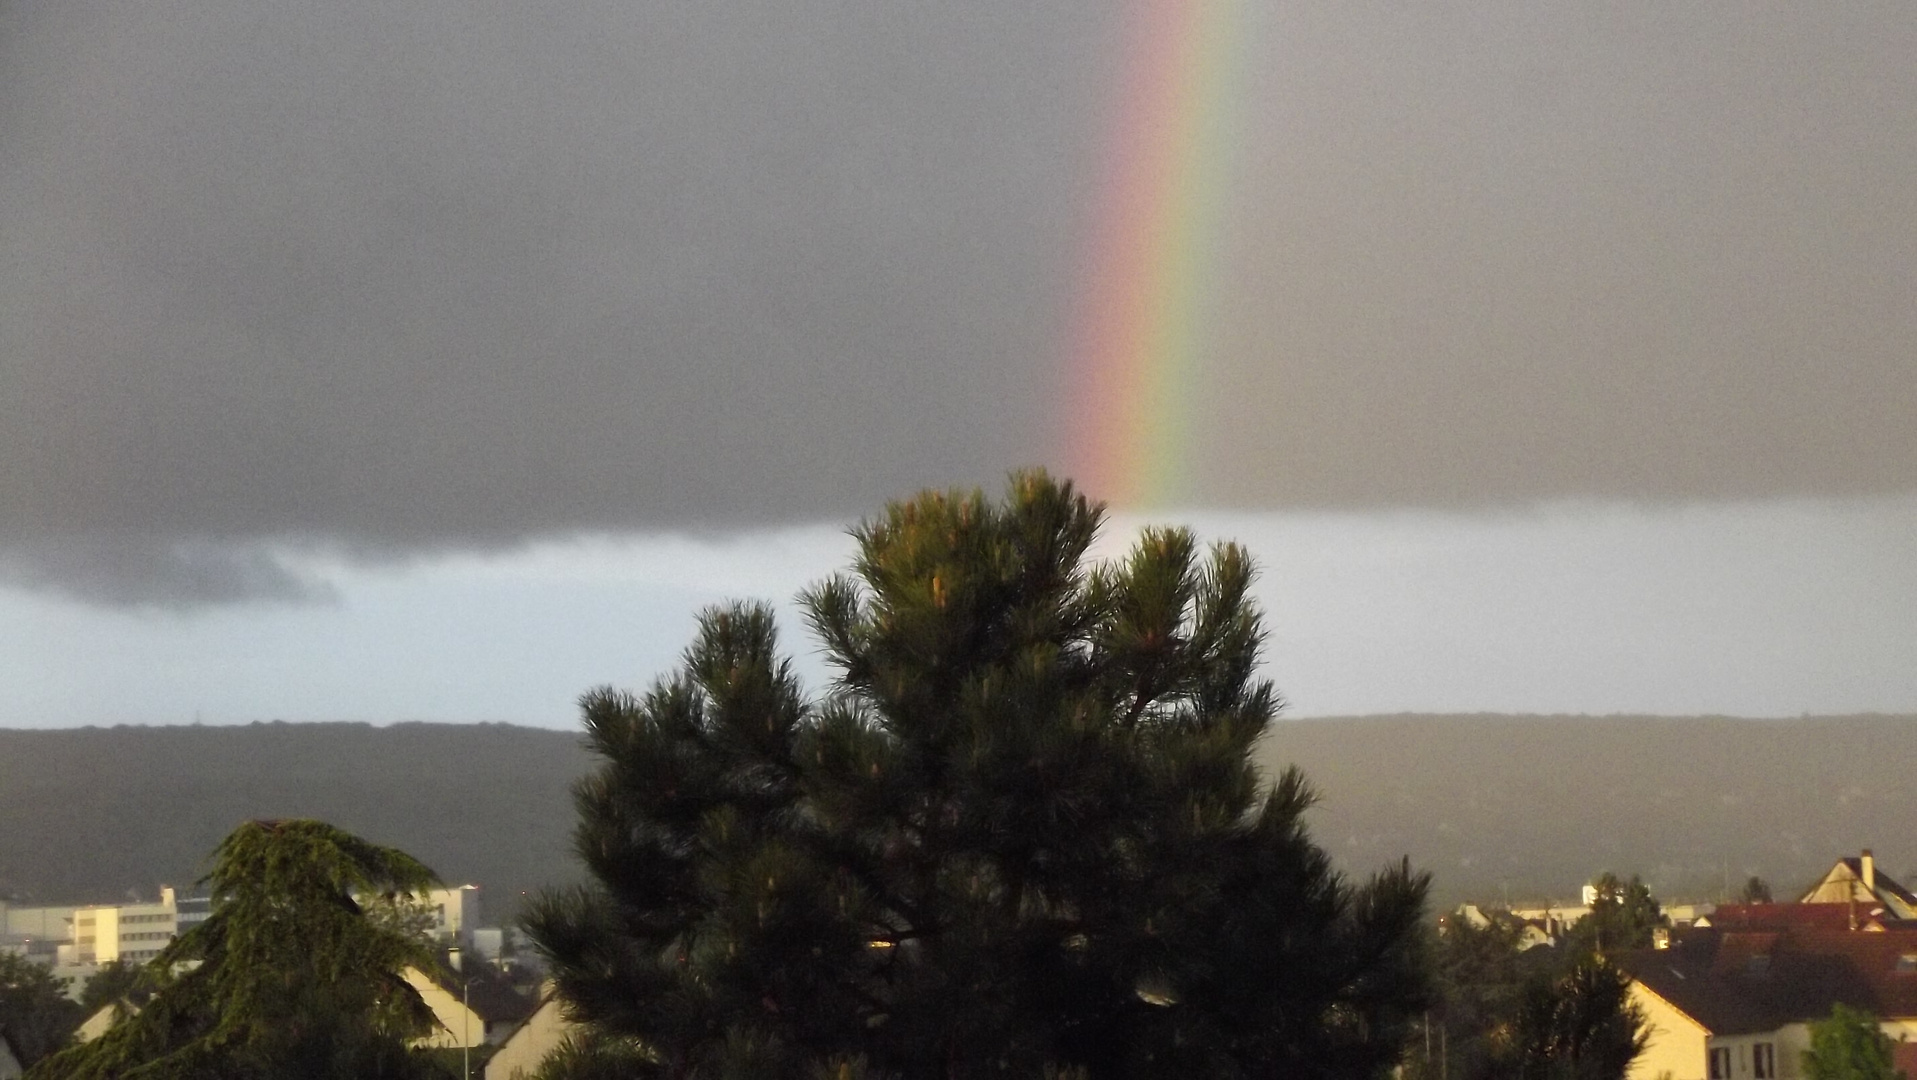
1678 1043
1787 1043
458 1025
520 1055
105 1017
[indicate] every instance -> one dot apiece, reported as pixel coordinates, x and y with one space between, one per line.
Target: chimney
1869 866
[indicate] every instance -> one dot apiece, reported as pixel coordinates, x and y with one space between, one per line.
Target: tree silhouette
286 977
35 1015
1018 835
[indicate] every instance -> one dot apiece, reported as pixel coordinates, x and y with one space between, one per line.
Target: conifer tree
1019 835
35 1016
287 978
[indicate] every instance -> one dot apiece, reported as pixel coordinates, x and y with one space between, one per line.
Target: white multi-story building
134 933
82 938
35 932
455 913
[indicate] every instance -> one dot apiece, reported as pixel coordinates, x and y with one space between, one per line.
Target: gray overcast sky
295 294
1770 609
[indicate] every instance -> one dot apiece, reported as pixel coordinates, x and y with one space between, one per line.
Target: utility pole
465 1014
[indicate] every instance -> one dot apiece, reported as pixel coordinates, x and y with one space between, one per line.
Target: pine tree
1581 1026
1624 915
1019 835
35 1016
287 978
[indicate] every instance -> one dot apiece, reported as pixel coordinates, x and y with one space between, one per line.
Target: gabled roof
1742 982
488 993
10 1063
529 1044
1845 883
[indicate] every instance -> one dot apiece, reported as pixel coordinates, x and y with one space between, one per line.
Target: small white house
103 1018
480 1011
521 1054
9 1061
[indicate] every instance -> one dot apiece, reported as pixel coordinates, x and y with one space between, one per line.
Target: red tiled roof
1793 916
1743 982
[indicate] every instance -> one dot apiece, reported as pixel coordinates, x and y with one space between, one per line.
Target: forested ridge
88 814
1524 806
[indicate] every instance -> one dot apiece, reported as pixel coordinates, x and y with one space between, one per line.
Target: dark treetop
1020 832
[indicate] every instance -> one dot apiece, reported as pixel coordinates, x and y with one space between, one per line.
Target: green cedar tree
114 982
286 979
35 1014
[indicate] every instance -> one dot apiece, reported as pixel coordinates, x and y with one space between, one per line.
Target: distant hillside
87 814
1534 806
1528 807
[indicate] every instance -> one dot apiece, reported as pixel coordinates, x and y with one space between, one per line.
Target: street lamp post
465 1015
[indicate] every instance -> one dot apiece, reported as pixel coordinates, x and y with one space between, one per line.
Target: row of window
1763 1062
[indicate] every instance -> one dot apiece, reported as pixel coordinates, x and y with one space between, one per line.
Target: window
1764 1061
1720 1063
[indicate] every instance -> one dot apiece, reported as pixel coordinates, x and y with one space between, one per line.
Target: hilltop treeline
89 814
1525 807
1532 807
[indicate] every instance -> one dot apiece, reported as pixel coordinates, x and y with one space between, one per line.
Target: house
522 1051
10 1066
1532 932
1737 1004
1858 883
477 1007
480 1011
103 1018
1781 917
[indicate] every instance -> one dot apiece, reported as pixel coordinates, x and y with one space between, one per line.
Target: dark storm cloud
145 572
410 276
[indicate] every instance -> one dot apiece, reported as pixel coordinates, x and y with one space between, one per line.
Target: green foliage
35 1013
115 981
1480 977
1541 1014
594 1056
1623 916
1019 835
287 978
1849 1046
1582 1026
405 914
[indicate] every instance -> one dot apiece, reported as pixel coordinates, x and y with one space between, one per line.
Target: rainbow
1141 328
